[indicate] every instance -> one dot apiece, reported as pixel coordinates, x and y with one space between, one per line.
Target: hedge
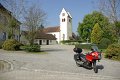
31 48
71 42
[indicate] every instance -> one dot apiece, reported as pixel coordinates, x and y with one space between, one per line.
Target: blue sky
77 8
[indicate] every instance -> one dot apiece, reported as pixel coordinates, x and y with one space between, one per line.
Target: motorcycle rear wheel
78 64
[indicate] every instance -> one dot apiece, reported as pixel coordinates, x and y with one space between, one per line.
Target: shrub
84 45
104 43
113 52
1 43
11 44
70 42
32 48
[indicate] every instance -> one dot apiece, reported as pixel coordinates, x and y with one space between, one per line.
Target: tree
17 7
96 34
85 28
110 8
33 20
13 25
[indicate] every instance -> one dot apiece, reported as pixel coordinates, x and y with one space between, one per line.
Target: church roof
41 35
69 15
51 29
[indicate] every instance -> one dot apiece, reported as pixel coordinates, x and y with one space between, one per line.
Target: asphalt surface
57 64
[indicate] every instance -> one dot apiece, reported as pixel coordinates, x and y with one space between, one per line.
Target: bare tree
111 8
33 20
17 7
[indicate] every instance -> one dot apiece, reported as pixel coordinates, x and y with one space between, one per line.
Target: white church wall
69 28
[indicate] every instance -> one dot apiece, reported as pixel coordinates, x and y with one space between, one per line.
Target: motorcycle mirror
101 51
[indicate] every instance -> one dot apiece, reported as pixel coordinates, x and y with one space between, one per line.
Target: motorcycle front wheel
95 67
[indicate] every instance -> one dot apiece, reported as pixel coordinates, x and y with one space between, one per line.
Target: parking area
58 64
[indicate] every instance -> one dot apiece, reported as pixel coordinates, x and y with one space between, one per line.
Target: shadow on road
53 50
100 67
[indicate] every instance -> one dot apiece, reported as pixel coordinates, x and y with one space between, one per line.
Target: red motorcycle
88 60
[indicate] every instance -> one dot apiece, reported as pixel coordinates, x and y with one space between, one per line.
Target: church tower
65 25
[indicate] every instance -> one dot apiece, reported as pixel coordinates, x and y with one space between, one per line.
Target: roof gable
64 11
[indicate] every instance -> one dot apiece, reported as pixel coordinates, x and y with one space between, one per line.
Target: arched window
63 20
69 20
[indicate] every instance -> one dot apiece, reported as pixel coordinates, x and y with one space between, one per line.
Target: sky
77 8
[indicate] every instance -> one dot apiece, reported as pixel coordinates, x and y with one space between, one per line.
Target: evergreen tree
96 34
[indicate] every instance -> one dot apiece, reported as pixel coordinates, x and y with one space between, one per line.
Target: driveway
58 64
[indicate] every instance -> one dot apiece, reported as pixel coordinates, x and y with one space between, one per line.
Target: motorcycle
88 60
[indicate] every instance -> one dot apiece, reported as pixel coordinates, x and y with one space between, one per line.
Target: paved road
58 64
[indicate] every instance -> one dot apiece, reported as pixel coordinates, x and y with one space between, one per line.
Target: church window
69 20
63 20
63 14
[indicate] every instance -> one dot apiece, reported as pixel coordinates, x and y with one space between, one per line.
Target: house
44 39
41 38
5 18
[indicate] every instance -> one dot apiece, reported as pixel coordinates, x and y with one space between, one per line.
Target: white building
64 31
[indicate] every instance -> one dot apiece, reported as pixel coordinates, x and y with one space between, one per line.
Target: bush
31 48
104 43
11 44
113 52
84 45
1 43
71 42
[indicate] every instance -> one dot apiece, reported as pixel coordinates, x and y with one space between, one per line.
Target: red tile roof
51 29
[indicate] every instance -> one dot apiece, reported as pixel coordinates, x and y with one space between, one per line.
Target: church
53 35
64 31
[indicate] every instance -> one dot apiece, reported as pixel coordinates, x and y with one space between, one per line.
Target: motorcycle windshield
95 48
